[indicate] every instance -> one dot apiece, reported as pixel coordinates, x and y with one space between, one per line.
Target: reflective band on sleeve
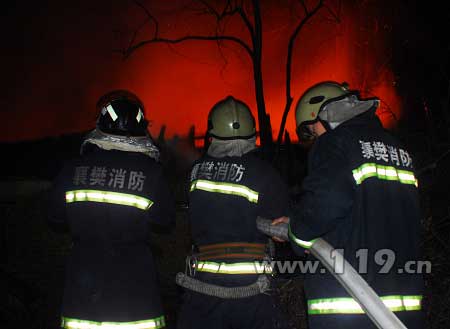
301 243
109 197
233 268
226 188
395 303
383 172
111 112
70 323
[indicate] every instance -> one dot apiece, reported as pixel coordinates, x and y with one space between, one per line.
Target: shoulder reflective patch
109 197
70 323
301 243
233 268
395 303
139 116
383 172
111 112
226 188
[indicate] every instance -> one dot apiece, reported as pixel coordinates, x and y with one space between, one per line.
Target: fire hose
353 283
261 286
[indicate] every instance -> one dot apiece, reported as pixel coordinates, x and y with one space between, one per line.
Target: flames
194 76
179 84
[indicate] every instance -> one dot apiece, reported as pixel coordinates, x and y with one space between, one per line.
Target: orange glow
179 84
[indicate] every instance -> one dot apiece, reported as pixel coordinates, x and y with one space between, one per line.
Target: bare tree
308 14
250 15
253 24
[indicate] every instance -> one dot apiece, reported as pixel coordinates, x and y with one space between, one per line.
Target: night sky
59 58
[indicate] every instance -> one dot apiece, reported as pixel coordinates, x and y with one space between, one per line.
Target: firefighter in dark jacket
229 187
109 197
361 196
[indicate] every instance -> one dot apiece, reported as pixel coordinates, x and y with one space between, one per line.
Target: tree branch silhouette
308 15
254 50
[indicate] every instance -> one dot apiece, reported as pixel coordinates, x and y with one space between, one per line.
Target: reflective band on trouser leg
233 268
301 243
109 197
70 323
395 303
226 188
383 172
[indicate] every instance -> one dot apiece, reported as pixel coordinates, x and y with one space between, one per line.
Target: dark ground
33 257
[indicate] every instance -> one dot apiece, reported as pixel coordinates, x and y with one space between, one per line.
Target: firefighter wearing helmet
108 197
310 104
226 281
360 194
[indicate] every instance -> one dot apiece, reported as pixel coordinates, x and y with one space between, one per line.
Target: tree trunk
265 129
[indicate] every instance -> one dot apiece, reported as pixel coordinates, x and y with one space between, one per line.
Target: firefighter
110 196
229 187
360 195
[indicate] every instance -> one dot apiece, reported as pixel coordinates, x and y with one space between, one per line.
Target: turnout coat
361 196
109 199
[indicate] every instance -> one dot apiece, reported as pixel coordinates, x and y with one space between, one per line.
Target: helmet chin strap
327 125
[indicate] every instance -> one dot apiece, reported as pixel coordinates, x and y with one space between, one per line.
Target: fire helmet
121 113
231 119
313 101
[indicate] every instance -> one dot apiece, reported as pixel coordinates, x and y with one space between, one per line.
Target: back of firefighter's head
121 113
231 119
312 102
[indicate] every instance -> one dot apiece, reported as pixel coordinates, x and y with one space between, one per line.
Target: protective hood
141 144
342 110
235 147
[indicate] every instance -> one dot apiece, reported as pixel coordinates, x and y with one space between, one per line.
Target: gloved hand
277 229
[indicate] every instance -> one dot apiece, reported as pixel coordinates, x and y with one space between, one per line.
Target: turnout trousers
201 311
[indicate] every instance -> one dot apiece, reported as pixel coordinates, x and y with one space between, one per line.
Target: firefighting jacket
109 199
361 196
226 196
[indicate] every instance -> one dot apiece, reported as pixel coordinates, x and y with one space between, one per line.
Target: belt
253 254
232 250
